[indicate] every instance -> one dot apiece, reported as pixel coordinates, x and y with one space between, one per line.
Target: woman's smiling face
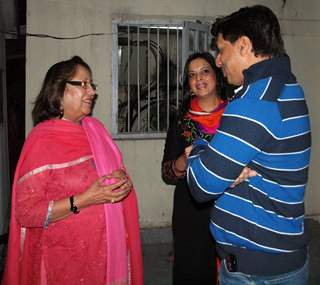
77 100
202 79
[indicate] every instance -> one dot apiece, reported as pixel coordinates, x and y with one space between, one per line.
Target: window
148 59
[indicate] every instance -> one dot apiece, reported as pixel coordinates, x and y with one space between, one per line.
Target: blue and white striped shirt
266 128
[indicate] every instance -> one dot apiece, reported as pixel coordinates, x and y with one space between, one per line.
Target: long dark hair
47 103
220 84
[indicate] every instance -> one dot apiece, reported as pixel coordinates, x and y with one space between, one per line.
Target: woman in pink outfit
74 217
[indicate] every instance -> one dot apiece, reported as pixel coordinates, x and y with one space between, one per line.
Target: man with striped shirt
259 224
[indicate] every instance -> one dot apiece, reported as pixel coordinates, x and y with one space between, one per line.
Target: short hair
258 23
47 103
220 84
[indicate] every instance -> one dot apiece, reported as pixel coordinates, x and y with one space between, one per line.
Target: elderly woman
74 217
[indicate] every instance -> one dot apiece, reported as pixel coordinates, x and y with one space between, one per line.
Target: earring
192 93
61 114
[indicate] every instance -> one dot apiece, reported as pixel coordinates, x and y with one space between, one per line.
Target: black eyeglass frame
83 84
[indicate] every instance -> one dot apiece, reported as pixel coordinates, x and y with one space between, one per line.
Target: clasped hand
246 172
100 192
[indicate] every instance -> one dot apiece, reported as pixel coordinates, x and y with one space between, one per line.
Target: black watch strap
73 207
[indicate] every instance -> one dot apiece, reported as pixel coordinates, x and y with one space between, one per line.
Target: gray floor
158 266
313 228
157 255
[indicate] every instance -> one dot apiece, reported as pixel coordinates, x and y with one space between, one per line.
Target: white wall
143 157
302 40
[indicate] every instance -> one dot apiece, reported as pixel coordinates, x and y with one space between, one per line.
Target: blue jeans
297 277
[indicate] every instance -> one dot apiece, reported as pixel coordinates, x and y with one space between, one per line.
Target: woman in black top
198 117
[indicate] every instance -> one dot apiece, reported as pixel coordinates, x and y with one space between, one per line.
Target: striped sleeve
245 128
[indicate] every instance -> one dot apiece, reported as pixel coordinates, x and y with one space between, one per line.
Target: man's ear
244 45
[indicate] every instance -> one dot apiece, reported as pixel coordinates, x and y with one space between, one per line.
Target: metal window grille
147 63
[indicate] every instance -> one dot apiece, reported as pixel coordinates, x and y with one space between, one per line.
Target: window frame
185 51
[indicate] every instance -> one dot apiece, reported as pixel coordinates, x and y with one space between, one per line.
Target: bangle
49 212
73 207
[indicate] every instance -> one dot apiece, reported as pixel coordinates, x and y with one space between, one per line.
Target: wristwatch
73 207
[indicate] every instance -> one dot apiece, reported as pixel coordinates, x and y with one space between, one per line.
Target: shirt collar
278 67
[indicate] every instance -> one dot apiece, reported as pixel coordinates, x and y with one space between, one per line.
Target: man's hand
245 173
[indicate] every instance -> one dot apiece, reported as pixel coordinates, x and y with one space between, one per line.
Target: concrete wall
62 18
301 27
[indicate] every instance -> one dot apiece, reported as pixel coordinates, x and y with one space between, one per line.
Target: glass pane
202 41
191 40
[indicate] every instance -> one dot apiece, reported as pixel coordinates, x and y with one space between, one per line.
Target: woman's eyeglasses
84 84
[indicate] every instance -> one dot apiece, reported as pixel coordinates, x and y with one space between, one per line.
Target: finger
118 196
118 173
123 195
121 192
126 186
113 176
252 173
244 173
109 176
114 185
237 181
102 179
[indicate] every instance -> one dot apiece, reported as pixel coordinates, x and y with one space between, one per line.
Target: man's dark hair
258 23
47 104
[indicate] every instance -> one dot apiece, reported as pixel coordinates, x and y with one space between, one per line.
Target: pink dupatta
31 158
128 227
122 217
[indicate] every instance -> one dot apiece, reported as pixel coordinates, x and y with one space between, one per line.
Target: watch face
73 207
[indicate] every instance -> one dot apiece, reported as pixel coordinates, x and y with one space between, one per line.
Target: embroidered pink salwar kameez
59 159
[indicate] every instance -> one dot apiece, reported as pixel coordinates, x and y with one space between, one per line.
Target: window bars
147 64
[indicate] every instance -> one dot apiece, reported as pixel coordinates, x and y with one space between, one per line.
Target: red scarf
208 121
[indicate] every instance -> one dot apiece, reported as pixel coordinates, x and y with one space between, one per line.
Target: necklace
199 113
68 120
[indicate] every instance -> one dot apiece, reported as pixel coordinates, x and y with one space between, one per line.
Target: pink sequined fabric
55 163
